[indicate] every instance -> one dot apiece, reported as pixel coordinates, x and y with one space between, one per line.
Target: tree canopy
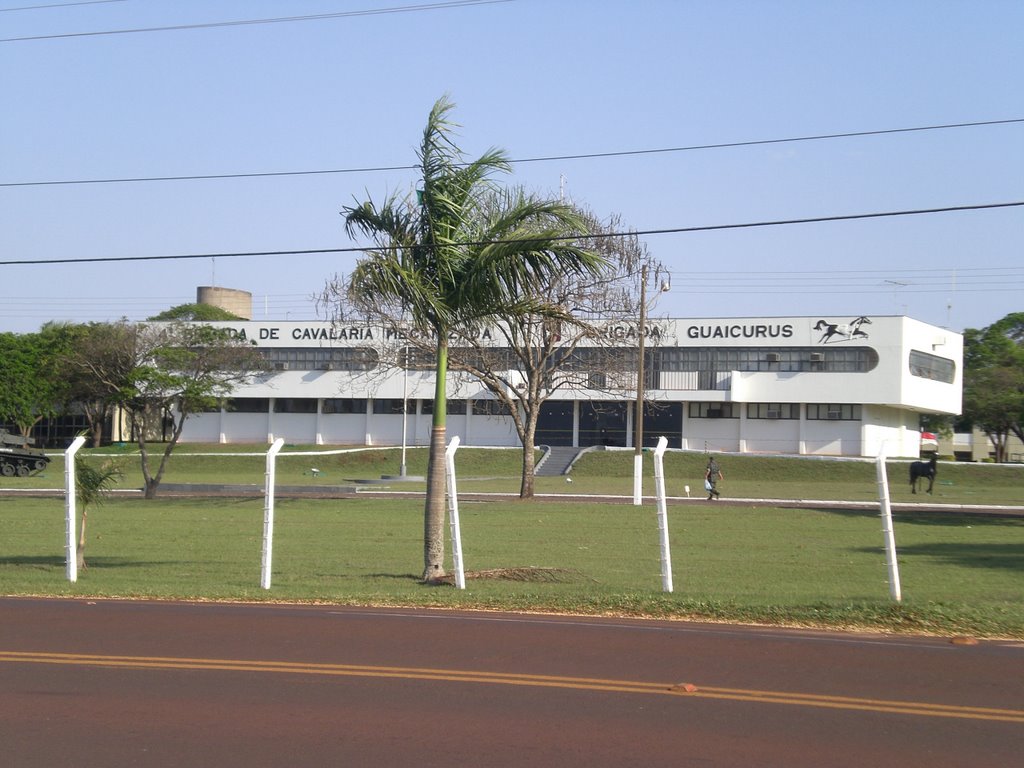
197 313
32 386
994 380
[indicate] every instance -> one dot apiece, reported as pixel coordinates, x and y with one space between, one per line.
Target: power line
666 231
544 159
251 22
59 5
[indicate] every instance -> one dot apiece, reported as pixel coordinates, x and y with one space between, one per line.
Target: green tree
448 260
196 313
994 380
96 365
32 385
159 374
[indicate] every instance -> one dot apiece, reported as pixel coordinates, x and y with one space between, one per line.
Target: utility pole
638 435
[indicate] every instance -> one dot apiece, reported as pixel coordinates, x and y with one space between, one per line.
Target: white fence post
70 545
887 531
268 513
453 513
659 487
638 483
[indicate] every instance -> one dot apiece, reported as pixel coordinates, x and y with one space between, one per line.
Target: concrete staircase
556 460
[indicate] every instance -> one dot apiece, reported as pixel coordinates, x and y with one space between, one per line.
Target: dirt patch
524 573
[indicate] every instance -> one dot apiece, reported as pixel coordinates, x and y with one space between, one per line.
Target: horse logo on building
833 332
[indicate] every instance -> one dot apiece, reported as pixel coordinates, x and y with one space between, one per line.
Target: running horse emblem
842 331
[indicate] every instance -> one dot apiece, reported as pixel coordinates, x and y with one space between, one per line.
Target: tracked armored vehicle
17 456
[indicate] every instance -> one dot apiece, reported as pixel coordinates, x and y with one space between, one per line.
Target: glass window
344 405
247 405
773 411
454 407
295 405
927 366
490 408
315 358
714 411
766 359
833 412
388 405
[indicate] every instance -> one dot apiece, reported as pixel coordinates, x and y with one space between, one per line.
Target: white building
799 385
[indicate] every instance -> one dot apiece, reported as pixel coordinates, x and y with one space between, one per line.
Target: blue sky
538 78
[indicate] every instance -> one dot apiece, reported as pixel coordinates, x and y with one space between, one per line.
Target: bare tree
590 349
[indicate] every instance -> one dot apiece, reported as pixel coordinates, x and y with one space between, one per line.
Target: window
773 411
833 412
490 408
344 405
454 407
247 405
295 405
774 359
388 405
714 411
321 359
927 366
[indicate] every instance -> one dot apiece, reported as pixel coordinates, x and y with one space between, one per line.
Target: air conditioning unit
835 414
774 414
714 413
773 357
817 357
280 366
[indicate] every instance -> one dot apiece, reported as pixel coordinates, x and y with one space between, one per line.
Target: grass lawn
812 567
597 472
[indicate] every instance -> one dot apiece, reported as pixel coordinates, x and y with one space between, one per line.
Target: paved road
122 683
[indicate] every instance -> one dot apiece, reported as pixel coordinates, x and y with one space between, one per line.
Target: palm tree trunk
433 511
80 551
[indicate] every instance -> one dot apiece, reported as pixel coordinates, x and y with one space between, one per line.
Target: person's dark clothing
711 477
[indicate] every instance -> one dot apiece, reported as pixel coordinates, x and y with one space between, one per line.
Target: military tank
18 457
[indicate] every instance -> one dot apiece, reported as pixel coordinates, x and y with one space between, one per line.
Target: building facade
786 385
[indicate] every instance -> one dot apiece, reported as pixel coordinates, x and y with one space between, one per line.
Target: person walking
712 475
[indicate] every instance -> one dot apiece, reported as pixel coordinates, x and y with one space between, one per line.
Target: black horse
919 469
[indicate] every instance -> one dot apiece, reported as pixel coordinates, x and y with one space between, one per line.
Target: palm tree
452 259
92 486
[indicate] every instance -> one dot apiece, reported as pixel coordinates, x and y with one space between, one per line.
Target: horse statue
922 469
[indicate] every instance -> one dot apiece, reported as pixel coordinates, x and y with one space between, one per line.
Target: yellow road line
501 678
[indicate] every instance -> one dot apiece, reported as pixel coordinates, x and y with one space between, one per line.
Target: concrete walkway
377 491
